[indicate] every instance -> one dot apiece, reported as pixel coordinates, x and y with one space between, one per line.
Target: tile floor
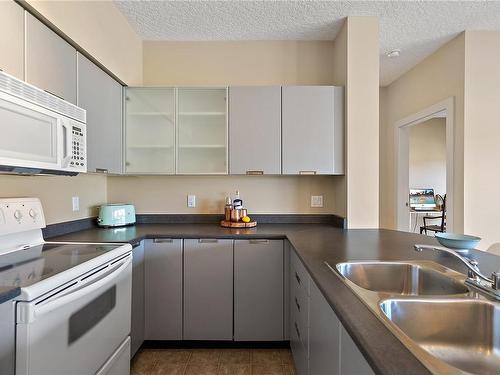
213 362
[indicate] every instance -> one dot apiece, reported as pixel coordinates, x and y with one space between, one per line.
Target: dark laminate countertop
8 292
315 244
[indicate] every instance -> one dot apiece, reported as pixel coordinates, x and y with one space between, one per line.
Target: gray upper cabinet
313 123
324 333
101 96
255 130
208 289
50 61
163 294
137 324
258 290
12 38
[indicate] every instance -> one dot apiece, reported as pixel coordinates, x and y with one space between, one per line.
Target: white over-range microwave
39 132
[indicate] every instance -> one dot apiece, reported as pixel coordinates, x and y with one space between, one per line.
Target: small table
431 212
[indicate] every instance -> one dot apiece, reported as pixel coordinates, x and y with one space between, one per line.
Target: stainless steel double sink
449 328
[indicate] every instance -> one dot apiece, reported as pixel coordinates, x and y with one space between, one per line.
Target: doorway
411 166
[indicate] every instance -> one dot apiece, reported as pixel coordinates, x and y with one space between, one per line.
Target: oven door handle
35 312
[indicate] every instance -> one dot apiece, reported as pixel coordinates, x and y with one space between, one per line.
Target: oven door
76 329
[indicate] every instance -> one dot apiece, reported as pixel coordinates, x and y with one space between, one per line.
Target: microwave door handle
66 299
67 138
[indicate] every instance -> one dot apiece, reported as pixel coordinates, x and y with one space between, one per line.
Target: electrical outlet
316 201
75 201
191 201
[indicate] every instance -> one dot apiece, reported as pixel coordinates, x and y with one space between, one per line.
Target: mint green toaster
116 215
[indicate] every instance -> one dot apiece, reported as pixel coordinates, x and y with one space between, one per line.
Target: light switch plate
316 201
75 201
191 201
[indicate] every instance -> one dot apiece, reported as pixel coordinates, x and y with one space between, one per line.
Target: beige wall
102 30
232 63
238 63
362 122
260 194
56 192
435 79
428 155
482 136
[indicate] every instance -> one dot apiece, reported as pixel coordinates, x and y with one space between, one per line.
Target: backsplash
260 194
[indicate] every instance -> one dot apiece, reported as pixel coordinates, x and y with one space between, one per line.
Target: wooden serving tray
239 224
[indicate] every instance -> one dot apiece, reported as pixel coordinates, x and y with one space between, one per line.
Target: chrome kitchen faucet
475 278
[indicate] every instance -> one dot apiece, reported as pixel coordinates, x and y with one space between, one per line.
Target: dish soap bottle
237 202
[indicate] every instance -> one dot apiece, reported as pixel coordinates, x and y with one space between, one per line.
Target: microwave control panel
79 149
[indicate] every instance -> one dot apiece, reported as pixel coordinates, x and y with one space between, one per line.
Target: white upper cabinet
50 61
12 38
101 96
150 130
202 131
255 130
313 130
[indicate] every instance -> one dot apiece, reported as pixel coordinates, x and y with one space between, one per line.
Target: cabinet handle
163 240
297 277
254 242
101 170
208 240
297 303
297 329
307 172
255 172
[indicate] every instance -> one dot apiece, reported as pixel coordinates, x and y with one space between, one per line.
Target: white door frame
402 150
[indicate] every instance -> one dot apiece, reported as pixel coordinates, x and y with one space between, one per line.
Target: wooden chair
441 228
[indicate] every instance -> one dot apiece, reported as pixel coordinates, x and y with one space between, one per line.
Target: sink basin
400 278
461 332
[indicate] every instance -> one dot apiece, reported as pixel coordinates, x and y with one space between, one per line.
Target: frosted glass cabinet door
150 130
202 131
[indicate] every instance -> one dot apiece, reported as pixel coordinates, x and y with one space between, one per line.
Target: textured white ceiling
418 28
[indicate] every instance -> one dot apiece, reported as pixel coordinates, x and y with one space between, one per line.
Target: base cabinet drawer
299 351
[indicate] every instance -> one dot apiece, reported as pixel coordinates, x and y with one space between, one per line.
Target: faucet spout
471 264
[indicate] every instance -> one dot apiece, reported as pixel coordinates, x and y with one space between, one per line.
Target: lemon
245 219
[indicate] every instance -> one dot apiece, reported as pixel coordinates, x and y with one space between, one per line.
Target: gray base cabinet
320 345
163 289
324 335
352 361
137 326
208 289
258 290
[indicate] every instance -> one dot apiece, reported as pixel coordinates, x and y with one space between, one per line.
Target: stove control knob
18 214
33 213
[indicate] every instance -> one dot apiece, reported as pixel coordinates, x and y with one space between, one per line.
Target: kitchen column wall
356 66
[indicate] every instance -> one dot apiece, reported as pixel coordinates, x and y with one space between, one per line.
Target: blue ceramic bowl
457 241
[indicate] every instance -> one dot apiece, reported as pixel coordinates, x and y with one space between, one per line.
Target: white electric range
73 313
